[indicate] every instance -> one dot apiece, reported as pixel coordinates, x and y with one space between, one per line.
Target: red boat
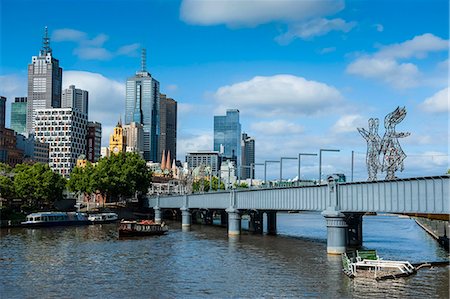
141 228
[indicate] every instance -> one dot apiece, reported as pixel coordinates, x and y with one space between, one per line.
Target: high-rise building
142 106
227 135
93 141
65 130
117 141
19 115
205 158
2 111
44 82
75 98
134 135
168 126
33 150
248 156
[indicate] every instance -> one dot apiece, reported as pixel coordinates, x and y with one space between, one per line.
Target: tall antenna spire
144 60
46 43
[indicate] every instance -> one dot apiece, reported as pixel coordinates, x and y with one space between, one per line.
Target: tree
82 179
6 182
38 184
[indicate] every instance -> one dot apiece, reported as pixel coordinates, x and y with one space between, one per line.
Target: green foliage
38 184
6 187
118 176
448 171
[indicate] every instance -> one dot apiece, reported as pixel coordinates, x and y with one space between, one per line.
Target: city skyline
303 77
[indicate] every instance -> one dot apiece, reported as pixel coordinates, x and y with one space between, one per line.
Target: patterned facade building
205 158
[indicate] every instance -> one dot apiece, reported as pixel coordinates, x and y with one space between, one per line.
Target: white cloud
11 86
327 50
106 97
278 95
437 103
249 13
305 19
379 27
92 48
315 27
277 127
385 66
348 123
194 142
399 75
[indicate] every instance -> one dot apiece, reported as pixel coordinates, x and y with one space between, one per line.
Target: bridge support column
355 235
255 224
336 231
234 221
271 222
223 218
157 214
185 217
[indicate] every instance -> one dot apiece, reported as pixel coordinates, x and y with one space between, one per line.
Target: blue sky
304 74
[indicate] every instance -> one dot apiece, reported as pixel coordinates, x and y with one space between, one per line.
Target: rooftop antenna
46 43
144 60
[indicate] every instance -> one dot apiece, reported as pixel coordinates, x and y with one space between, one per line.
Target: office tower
19 115
2 111
134 135
168 126
65 130
117 141
93 141
205 158
248 156
142 106
44 82
75 98
227 134
33 150
104 152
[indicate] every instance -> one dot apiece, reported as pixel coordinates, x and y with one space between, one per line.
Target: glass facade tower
142 106
19 115
227 134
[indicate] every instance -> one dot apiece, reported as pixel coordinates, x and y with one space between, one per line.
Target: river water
91 262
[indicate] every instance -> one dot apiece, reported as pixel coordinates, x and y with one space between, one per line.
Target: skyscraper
2 111
44 82
227 132
19 115
248 156
75 98
134 135
142 106
168 126
94 141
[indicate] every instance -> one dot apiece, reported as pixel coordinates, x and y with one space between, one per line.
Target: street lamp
320 160
299 162
252 170
281 165
265 169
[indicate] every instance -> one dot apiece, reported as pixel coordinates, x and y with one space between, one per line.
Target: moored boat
141 228
55 219
103 218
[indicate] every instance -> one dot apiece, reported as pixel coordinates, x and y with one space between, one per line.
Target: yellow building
117 141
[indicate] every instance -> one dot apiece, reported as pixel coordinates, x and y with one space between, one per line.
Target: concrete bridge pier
223 218
354 233
157 214
186 217
234 221
336 231
271 222
255 224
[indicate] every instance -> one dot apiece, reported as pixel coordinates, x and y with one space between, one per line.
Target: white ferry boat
103 218
55 219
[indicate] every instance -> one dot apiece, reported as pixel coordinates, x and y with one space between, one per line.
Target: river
91 262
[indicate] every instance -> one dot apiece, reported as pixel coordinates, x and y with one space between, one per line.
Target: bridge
342 205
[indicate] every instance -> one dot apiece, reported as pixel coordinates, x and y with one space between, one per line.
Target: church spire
46 43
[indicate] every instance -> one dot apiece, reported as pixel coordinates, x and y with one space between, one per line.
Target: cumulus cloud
348 123
92 48
278 95
194 142
276 127
315 27
105 96
305 19
437 103
385 66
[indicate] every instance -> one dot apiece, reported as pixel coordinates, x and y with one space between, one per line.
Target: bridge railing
414 195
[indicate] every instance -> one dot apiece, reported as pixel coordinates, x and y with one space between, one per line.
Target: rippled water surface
90 261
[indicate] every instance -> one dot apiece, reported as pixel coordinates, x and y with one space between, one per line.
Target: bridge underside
443 217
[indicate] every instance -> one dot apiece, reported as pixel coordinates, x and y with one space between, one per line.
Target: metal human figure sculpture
393 154
373 148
